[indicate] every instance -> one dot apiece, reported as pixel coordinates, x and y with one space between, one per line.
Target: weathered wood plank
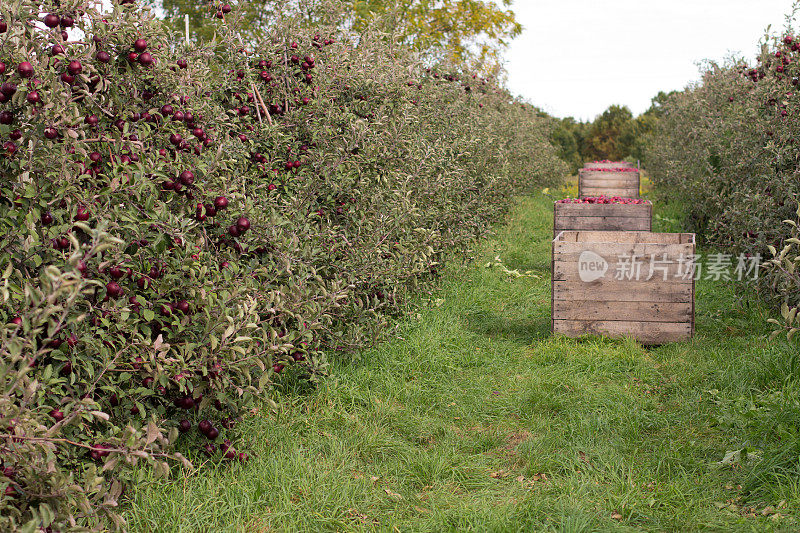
611 251
631 291
591 192
644 332
615 237
603 223
567 268
623 311
610 182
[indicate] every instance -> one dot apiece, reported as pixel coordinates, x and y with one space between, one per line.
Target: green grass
474 418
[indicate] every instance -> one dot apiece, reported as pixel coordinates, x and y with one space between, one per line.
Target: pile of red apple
620 169
605 200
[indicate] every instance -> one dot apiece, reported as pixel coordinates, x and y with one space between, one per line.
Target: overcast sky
577 57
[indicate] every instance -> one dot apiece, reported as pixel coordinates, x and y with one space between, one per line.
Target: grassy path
476 419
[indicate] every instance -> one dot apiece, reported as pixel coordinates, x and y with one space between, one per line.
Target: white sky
577 57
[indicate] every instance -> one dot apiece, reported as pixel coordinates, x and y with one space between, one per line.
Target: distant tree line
615 134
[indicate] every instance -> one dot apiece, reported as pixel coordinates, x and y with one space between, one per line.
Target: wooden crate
615 164
586 300
602 217
599 183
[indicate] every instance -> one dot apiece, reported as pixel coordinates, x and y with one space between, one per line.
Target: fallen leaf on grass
514 273
616 516
393 494
353 514
736 458
537 478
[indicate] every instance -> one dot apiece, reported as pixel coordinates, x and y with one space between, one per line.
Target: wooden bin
599 183
614 164
590 297
602 217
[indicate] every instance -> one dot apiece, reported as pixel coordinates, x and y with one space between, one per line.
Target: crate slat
674 252
623 311
606 223
615 237
566 268
589 192
609 290
651 333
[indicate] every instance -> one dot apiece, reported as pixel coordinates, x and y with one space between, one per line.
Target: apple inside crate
596 182
624 284
614 214
608 164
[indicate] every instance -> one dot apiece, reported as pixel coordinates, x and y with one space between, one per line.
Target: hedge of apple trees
728 149
181 227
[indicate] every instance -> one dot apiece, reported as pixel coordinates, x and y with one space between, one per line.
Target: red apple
74 67
114 290
25 69
51 20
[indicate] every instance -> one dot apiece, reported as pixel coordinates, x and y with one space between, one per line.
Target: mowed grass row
474 418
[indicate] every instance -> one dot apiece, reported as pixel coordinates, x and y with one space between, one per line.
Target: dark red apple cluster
780 64
605 200
188 226
620 169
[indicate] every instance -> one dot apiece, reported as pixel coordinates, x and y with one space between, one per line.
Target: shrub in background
726 149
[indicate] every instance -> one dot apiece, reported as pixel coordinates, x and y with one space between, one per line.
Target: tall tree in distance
471 32
610 136
569 136
615 134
